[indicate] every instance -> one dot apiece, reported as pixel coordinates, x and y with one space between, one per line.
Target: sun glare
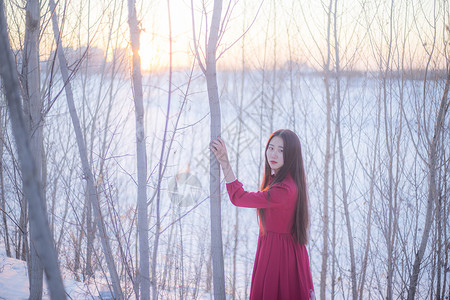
155 53
150 56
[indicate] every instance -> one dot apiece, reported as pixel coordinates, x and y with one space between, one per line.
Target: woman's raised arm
220 151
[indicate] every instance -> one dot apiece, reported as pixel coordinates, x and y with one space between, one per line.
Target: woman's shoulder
289 180
287 183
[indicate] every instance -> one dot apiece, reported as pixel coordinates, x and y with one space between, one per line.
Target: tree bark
41 237
92 193
239 138
2 187
33 108
215 127
333 222
325 217
144 271
390 230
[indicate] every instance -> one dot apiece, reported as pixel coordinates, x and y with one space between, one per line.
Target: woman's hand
220 151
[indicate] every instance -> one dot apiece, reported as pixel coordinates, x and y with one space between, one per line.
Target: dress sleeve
273 197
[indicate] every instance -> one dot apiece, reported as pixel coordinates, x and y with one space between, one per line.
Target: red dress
281 269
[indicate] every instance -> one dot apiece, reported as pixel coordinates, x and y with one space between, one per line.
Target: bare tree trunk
144 272
209 271
181 249
342 162
90 237
84 158
274 67
323 273
215 127
438 234
441 228
432 193
80 235
2 186
371 198
214 187
41 237
90 225
389 234
21 252
333 233
33 108
161 170
262 105
445 216
105 147
169 255
239 133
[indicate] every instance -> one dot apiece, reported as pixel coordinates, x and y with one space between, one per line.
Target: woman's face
274 154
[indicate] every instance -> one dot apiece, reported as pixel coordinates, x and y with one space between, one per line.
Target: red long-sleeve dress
281 270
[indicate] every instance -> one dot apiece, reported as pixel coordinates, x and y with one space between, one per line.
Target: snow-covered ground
14 282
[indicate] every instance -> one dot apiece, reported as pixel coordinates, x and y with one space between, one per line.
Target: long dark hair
293 165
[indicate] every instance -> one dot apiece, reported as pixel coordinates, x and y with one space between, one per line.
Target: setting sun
149 53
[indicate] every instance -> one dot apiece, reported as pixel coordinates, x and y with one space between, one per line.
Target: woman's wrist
228 173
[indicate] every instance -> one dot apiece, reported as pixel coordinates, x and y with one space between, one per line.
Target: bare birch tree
6 237
144 272
239 140
41 237
215 129
33 108
325 217
214 105
342 160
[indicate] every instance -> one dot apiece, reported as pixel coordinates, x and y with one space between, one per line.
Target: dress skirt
281 269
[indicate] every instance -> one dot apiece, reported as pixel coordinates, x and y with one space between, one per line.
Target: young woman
281 270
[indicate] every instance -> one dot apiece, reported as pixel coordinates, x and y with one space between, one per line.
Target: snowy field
106 111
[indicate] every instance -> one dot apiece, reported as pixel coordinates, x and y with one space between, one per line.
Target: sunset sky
295 30
278 31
